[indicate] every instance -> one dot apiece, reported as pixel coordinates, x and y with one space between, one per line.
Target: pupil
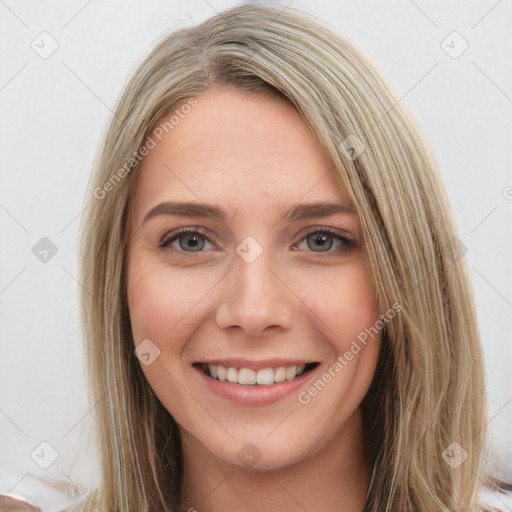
321 241
191 241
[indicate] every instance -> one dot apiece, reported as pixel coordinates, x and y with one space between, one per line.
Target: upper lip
254 364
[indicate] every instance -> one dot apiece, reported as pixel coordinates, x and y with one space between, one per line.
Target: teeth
221 373
290 372
213 370
248 377
265 377
232 375
280 374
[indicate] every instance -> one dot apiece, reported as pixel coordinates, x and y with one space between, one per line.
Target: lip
254 396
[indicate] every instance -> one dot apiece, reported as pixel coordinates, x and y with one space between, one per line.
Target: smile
250 377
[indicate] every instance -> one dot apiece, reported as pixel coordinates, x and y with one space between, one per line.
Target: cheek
344 304
166 304
156 300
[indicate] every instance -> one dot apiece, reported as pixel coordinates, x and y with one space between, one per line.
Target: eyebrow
297 212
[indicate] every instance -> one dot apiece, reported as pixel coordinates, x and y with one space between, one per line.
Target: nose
255 298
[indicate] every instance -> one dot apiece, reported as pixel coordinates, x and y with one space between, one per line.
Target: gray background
54 108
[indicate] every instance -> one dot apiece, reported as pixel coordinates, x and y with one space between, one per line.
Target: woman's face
267 290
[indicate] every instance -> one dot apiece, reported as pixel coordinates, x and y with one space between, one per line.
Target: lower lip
255 395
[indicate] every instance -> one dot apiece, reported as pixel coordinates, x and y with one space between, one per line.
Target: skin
254 157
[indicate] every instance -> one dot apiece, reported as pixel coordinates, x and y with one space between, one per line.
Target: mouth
256 378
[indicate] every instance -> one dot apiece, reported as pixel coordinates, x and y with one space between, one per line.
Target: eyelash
346 243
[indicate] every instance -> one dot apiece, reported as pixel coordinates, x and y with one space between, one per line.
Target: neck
334 479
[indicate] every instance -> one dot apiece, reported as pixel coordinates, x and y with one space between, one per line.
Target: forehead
241 151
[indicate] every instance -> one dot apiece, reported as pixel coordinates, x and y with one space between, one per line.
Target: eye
322 240
189 240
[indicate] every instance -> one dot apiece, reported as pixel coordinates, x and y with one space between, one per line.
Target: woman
277 312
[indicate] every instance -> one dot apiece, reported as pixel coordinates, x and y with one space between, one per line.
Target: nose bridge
254 298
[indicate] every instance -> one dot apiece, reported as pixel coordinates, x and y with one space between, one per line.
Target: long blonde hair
429 388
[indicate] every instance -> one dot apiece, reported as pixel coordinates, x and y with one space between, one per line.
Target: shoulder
17 503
